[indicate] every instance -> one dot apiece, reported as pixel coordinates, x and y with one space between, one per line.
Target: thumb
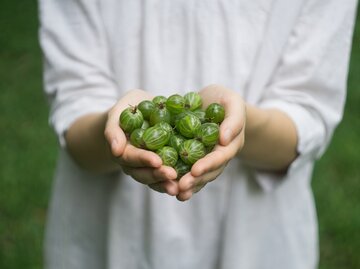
234 120
114 135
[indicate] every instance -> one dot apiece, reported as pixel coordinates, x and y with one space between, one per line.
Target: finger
185 196
170 187
212 93
135 157
196 183
149 175
113 133
234 110
165 172
220 156
234 120
187 182
210 162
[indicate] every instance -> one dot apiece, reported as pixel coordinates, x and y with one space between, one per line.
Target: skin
97 143
271 140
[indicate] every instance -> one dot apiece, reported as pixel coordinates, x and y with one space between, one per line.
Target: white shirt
297 62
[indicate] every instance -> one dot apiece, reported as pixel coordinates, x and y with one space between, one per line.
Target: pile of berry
176 128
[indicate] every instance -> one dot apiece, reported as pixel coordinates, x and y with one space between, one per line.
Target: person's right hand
142 165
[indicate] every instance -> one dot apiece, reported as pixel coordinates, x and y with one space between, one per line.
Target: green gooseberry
146 107
166 126
177 117
155 138
157 100
215 113
160 114
130 119
168 155
200 114
191 151
182 168
208 134
176 140
145 125
136 138
192 100
187 125
175 104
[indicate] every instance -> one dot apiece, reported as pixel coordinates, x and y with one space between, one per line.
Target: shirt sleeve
309 84
77 74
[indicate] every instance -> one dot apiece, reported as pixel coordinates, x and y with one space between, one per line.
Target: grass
28 148
336 181
28 153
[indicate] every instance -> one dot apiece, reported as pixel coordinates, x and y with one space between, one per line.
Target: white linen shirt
295 61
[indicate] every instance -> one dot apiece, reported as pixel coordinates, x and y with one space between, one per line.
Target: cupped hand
142 165
232 138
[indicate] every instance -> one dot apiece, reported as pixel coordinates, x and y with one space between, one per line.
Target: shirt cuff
64 114
311 141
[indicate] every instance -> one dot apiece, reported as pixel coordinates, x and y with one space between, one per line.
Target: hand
143 165
232 136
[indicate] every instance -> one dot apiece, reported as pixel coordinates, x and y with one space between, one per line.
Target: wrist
270 139
257 120
87 145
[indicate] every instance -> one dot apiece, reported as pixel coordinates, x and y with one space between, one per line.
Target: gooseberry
130 119
215 113
155 138
187 125
192 100
208 134
191 151
168 155
146 107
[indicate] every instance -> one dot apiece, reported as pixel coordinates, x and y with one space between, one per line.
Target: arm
300 107
81 88
97 143
263 138
87 145
271 139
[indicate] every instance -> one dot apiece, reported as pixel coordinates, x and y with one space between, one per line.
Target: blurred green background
28 153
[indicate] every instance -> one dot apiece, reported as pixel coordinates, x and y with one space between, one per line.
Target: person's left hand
232 136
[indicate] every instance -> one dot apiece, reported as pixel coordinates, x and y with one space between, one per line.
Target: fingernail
188 194
170 176
227 136
156 162
173 175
